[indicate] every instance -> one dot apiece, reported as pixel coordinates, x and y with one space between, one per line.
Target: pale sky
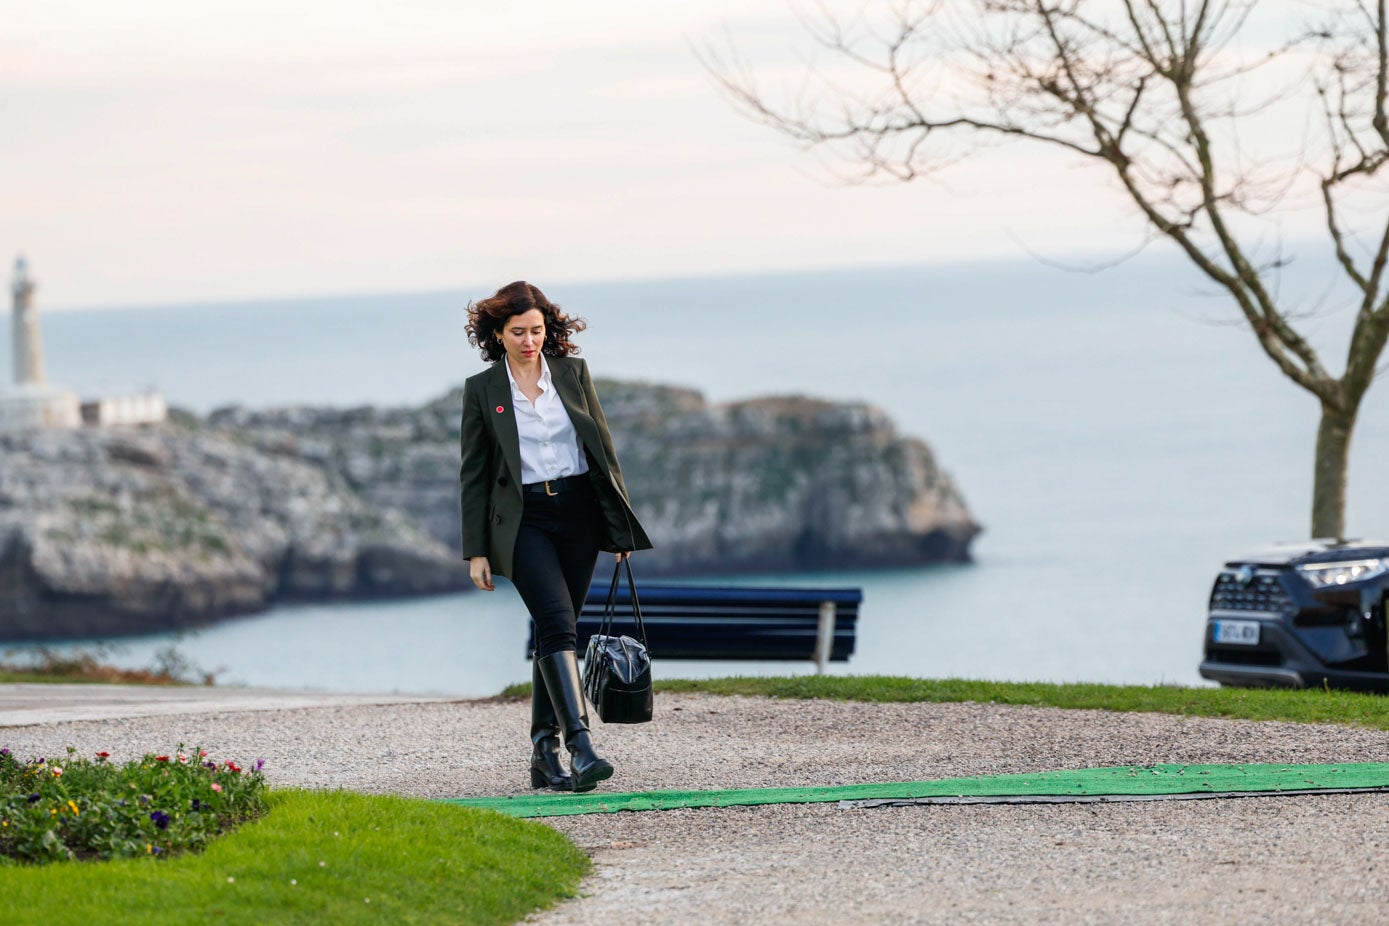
160 152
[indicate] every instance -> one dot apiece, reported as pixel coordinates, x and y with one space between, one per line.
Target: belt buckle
547 489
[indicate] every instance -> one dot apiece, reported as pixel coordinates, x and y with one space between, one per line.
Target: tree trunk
1332 463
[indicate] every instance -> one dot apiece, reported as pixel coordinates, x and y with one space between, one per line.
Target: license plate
1246 632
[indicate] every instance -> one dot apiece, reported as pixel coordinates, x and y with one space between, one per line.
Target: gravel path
1269 859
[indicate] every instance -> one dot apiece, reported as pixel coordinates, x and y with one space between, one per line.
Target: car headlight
1321 575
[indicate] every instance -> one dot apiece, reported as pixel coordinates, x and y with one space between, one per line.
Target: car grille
1245 657
1262 593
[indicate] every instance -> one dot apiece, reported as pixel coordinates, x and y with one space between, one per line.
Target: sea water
1117 434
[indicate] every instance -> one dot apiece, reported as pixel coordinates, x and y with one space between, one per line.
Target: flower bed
74 807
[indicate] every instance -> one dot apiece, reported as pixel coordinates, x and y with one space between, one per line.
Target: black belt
556 486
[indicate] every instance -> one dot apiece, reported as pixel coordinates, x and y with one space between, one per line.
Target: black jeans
557 548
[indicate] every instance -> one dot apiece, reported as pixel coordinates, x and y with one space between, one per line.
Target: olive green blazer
490 477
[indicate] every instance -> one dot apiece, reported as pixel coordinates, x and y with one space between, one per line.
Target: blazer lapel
571 394
504 418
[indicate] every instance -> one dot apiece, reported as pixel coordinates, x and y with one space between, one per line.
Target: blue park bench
732 622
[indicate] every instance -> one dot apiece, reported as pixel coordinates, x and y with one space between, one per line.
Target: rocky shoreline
120 531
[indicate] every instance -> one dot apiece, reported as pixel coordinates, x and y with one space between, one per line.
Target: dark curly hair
487 317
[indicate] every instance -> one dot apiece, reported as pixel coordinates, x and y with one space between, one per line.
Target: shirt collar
545 378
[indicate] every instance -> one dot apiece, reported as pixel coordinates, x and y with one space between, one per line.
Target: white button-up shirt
549 444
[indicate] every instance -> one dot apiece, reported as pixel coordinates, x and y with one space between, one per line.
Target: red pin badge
500 409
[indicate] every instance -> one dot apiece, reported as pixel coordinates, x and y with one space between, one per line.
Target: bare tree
1180 101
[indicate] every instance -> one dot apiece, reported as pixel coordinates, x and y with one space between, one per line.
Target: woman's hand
623 555
480 571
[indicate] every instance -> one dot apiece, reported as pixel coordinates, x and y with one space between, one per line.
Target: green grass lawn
1297 706
318 857
85 668
15 676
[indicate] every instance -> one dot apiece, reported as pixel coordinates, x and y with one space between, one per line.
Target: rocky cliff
118 531
783 483
122 531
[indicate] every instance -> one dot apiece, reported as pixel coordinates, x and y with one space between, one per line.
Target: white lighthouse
31 402
27 344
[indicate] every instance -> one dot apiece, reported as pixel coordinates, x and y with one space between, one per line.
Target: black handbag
617 670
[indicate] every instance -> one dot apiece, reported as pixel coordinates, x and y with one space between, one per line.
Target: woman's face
523 335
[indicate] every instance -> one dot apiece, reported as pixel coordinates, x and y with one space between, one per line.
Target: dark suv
1301 615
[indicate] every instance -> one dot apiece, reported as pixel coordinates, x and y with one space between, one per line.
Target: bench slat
732 623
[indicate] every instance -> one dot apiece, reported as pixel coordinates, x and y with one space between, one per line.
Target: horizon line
1102 261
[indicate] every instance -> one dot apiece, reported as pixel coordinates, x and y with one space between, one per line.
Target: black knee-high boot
561 673
546 769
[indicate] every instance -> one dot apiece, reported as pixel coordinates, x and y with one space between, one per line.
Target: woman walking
542 494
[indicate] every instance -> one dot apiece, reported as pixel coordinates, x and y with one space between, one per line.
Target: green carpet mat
1126 780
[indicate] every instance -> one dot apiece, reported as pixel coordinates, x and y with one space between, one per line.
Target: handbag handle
610 607
605 622
636 604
